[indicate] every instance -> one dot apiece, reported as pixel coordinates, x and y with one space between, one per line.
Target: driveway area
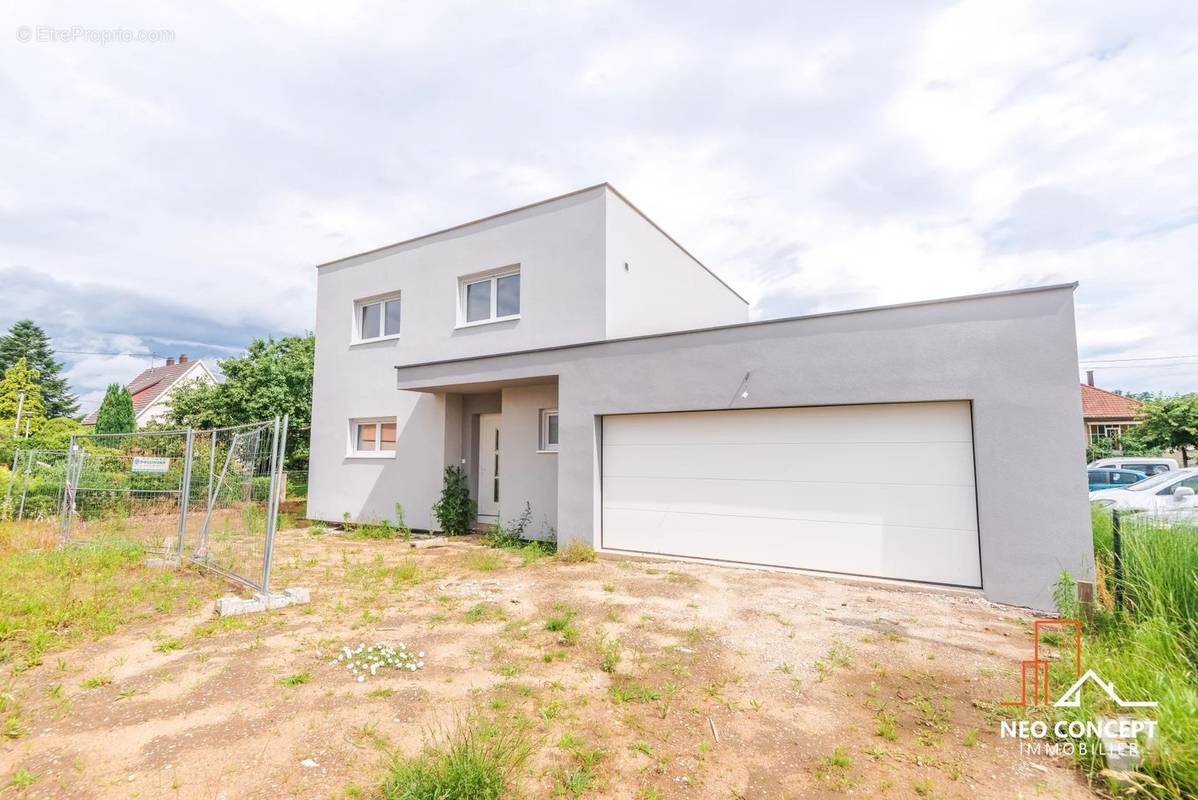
627 678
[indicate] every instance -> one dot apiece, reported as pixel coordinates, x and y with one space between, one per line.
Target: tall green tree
26 339
20 378
274 377
116 412
1166 423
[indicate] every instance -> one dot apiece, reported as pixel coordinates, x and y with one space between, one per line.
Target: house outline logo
1072 698
1035 671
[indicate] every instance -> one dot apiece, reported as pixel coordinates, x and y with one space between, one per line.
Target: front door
488 467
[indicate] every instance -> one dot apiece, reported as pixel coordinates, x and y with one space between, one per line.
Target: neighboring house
1106 415
571 356
151 390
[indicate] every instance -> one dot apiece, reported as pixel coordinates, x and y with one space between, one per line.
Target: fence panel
234 501
209 497
37 483
127 484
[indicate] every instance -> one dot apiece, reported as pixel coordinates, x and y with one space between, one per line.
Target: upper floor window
490 297
376 318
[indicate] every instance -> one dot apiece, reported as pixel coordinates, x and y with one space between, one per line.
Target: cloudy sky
173 196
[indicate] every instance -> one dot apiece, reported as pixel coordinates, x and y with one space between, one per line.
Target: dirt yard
720 683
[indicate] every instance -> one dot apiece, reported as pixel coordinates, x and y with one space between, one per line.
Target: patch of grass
54 597
886 726
576 552
382 691
579 777
167 646
96 681
833 770
297 679
485 612
628 692
482 561
22 779
562 623
609 654
923 787
472 762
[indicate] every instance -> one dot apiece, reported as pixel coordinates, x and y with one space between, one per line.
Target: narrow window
549 430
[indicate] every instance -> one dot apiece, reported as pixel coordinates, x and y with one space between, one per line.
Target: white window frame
543 443
352 450
381 300
1102 430
491 276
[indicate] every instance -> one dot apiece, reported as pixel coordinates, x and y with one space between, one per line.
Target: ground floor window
1107 430
548 429
374 436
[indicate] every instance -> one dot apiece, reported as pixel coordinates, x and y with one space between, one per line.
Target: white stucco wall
559 247
663 288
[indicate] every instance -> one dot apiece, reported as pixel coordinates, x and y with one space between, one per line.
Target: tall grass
51 597
471 762
1149 648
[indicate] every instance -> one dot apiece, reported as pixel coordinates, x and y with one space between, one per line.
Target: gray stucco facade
1012 355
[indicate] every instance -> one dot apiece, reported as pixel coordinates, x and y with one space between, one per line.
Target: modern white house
574 358
151 390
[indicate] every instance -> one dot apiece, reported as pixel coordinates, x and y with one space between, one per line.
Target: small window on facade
549 429
377 318
488 298
373 437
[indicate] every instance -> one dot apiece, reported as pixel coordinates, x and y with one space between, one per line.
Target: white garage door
877 490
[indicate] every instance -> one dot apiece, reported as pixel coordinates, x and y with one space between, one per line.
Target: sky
170 190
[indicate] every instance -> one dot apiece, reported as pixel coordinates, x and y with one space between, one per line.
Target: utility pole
16 426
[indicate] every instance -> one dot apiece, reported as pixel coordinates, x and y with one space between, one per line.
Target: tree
116 412
274 377
1099 448
20 378
25 339
1166 423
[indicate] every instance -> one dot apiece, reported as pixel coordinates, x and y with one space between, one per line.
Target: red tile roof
1101 404
149 385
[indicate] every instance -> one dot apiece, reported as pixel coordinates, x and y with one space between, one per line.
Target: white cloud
817 155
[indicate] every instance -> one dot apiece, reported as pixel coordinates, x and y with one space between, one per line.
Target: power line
1145 358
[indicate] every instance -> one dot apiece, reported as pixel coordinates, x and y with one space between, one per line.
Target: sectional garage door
877 490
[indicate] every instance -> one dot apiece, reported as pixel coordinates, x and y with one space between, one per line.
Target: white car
1165 493
1149 466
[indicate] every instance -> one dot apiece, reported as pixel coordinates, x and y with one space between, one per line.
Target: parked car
1149 466
1113 478
1167 493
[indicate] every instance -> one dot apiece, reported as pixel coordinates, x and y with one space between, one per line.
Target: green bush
455 511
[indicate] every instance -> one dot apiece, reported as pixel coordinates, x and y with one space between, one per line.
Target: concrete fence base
233 606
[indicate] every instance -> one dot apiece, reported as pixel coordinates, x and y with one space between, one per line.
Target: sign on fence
151 464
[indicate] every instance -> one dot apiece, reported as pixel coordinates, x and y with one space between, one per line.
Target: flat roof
753 324
480 220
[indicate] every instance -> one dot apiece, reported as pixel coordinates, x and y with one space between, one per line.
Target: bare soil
730 684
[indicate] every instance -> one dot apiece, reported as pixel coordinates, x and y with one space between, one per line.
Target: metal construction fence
35 483
209 497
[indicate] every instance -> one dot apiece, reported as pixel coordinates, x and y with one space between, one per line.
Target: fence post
68 494
25 483
12 476
272 512
1117 552
184 491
